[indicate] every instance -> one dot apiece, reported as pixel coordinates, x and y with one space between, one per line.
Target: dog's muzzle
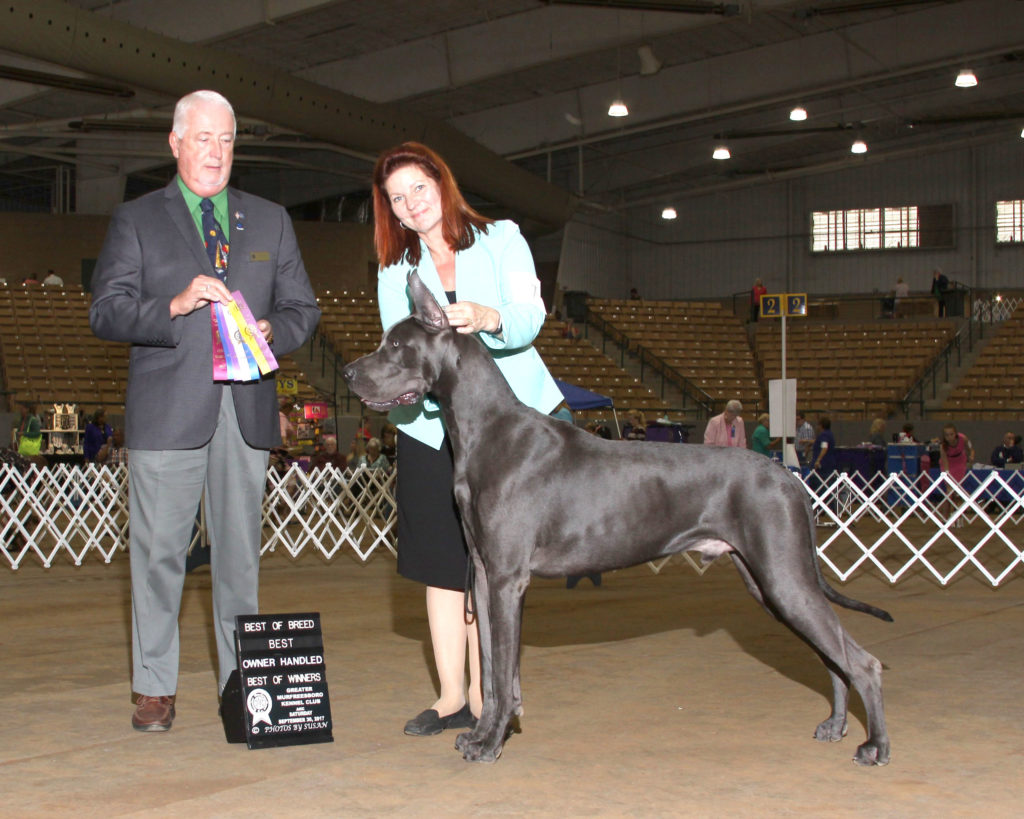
404 399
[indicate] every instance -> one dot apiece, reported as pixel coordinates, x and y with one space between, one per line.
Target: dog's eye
395 343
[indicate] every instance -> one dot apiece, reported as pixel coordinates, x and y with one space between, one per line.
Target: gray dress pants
164 489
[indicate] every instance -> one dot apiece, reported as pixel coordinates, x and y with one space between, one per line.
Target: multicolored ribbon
240 353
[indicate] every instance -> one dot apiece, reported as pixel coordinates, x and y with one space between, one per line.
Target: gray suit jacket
151 252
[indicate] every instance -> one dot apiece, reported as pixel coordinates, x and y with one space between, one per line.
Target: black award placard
283 679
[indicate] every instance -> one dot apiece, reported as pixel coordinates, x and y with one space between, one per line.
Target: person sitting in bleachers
1008 452
52 279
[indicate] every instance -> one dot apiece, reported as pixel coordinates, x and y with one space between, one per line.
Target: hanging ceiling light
798 114
859 147
649 63
618 108
669 213
966 79
721 152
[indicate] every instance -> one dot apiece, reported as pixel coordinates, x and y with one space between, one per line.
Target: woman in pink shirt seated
727 429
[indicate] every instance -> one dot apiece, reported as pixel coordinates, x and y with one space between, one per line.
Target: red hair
392 241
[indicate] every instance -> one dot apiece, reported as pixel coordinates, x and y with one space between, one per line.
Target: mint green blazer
496 271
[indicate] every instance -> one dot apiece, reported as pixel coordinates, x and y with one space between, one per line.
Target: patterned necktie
215 241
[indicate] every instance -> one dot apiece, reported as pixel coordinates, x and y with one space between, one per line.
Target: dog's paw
872 753
476 750
831 730
466 740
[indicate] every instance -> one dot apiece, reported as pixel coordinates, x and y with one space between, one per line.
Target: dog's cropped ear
427 310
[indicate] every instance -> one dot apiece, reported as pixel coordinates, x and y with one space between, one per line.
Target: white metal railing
892 526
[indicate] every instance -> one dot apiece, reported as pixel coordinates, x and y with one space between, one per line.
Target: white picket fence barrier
891 526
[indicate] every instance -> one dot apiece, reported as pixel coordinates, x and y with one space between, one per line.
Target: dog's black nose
348 373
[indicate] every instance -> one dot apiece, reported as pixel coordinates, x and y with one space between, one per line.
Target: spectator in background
363 432
1008 452
634 294
901 292
371 457
761 441
97 433
956 454
389 441
52 279
635 428
906 435
940 284
823 453
876 434
329 456
30 432
287 429
113 453
756 292
823 464
727 429
570 331
804 438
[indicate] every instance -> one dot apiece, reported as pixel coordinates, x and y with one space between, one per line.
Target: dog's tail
832 594
849 602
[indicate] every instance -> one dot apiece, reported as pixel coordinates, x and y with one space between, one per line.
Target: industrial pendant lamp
966 79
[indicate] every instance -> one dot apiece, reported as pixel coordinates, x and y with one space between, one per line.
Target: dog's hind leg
817 624
787 595
834 728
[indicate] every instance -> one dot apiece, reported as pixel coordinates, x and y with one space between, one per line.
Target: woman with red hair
482 271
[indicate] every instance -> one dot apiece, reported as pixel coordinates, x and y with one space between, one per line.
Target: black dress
431 546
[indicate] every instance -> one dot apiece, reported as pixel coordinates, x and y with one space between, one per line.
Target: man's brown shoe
153 713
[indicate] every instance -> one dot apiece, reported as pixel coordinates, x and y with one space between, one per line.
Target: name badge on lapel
259 256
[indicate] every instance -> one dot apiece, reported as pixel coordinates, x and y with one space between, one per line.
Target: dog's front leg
470 739
500 668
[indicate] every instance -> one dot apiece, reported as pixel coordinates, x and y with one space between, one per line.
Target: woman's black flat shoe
428 723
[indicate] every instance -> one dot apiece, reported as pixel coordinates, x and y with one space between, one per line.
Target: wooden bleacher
700 341
856 369
351 322
50 355
992 387
578 362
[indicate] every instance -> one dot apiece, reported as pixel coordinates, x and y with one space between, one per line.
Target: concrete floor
668 695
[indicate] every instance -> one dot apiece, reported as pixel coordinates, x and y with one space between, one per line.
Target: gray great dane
525 484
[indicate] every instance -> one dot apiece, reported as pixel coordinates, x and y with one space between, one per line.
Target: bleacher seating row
992 388
50 355
857 369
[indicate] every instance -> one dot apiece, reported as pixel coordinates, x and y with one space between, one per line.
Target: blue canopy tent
580 399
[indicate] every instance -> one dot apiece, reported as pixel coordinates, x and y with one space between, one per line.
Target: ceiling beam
61 33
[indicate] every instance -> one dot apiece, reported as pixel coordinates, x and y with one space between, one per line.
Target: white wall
721 242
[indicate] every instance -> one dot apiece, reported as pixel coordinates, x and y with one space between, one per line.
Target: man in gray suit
160 267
